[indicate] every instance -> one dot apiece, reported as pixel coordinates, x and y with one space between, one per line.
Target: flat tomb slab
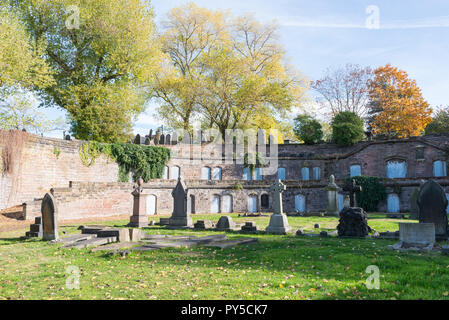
94 242
76 237
115 246
232 243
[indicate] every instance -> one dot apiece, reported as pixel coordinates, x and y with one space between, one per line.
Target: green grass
278 267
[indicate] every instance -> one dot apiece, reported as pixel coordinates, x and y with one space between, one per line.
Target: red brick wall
39 169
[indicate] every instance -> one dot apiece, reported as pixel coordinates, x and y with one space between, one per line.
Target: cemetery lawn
278 267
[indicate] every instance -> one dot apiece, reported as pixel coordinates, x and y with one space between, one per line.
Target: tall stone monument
332 197
278 221
139 218
432 204
49 212
180 217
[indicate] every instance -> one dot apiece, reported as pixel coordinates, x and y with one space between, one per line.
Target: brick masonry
86 192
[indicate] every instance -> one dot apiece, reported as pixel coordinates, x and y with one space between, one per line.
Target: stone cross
352 188
49 212
278 221
278 187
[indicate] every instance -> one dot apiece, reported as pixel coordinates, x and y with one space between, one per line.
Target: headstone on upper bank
49 212
432 204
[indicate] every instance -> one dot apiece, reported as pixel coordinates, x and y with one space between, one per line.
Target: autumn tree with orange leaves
396 108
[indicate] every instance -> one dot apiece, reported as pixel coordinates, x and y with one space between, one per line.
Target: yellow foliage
402 110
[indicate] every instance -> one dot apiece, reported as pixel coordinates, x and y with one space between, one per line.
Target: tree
397 108
188 33
344 89
20 61
101 62
347 128
235 71
440 123
19 112
308 129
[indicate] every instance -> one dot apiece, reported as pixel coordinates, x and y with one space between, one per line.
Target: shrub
308 129
373 191
347 129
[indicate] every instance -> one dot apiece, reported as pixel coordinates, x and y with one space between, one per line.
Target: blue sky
413 36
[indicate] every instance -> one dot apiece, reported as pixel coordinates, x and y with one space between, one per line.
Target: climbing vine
259 161
147 162
373 191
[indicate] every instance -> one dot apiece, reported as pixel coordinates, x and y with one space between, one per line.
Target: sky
411 35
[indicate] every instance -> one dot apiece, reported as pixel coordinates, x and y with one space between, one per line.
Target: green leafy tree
103 53
21 64
20 112
308 129
224 71
440 123
347 128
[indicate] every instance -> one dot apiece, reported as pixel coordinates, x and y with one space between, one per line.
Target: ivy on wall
147 162
373 191
259 161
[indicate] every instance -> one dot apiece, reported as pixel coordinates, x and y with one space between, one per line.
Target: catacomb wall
83 192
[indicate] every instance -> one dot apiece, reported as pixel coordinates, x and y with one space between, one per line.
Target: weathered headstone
226 224
346 202
432 204
249 226
415 236
180 216
332 197
278 221
414 208
353 223
203 224
139 218
49 212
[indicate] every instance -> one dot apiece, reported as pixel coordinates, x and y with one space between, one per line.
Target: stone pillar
332 198
139 218
278 221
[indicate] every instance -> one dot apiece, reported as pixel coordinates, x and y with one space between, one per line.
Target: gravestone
352 188
249 226
226 224
278 221
346 202
415 236
414 208
180 217
332 197
139 219
49 212
432 203
203 224
417 233
353 223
